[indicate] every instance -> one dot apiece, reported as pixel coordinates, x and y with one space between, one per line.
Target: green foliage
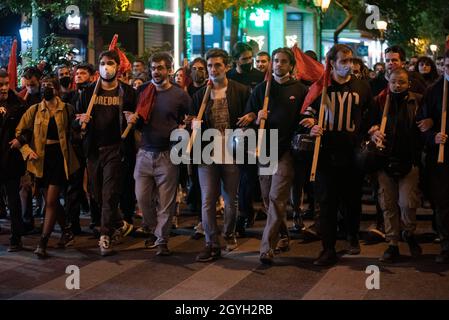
54 52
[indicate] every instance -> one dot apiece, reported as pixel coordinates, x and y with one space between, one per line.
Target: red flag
316 88
146 101
12 66
306 68
125 65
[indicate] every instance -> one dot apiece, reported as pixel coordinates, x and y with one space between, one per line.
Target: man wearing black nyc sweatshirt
285 101
338 182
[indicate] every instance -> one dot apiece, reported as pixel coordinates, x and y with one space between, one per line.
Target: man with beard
244 72
338 183
155 174
12 165
103 146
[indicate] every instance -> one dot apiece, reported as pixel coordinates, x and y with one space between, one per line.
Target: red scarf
146 101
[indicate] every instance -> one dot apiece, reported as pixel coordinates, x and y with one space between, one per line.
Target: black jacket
431 108
12 164
129 104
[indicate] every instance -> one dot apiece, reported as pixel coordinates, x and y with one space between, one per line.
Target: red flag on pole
12 66
316 88
306 68
125 65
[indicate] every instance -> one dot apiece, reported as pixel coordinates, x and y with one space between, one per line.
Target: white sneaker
105 246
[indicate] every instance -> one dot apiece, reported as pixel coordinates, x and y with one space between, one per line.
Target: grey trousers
275 194
156 178
399 199
212 177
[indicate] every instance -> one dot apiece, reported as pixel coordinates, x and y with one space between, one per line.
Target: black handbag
302 144
370 158
397 168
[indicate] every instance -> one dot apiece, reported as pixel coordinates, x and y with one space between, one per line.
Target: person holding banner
161 109
286 97
223 109
399 195
106 105
437 158
338 181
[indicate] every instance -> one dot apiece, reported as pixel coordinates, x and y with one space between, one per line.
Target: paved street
137 273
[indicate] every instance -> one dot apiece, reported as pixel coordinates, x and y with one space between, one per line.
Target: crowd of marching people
97 140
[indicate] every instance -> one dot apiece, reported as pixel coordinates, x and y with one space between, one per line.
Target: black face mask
48 93
399 96
246 67
198 76
82 86
65 81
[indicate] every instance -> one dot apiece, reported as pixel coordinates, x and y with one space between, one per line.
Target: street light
322 6
433 48
381 26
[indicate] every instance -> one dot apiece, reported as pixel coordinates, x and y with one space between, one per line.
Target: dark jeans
128 196
104 171
439 191
12 188
194 193
74 197
248 190
338 188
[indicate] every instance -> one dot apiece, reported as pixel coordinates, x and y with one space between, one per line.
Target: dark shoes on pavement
353 246
391 254
415 249
266 258
328 257
162 250
208 254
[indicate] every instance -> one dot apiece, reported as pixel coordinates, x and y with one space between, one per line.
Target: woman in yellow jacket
49 154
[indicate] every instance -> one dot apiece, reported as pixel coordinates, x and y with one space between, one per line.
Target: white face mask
282 79
107 72
218 78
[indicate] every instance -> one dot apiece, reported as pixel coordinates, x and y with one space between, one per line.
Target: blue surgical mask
343 71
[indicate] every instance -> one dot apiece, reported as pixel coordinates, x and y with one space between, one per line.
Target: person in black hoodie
12 166
285 101
103 146
399 177
338 182
438 173
225 110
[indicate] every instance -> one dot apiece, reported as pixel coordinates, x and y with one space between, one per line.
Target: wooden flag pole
443 121
316 150
128 128
383 123
91 103
262 121
199 116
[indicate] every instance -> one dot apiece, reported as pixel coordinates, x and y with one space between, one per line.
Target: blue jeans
156 178
211 178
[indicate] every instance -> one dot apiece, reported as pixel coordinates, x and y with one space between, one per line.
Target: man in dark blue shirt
155 174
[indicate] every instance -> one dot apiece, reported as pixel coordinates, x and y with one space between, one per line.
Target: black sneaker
231 243
298 224
328 257
41 250
375 235
415 249
390 255
67 239
443 257
353 247
162 250
283 245
266 257
240 227
209 254
150 243
15 246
